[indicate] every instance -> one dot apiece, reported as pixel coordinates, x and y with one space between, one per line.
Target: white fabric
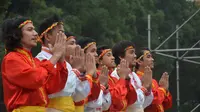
102 103
142 100
106 101
79 90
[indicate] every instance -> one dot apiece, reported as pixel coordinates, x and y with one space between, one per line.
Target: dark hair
11 33
118 49
68 34
47 23
140 53
85 41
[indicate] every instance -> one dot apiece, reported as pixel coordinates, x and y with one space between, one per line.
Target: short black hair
85 41
47 23
139 53
11 33
68 34
118 49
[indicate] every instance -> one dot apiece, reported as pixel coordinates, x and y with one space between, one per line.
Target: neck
100 67
45 44
141 69
131 67
26 48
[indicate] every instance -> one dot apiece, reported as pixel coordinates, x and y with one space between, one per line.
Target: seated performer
25 77
162 98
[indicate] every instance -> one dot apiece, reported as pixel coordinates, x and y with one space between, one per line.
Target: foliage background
109 21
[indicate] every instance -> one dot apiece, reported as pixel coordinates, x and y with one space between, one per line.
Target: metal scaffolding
177 50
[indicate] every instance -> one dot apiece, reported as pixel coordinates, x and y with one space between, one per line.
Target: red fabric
162 99
122 94
80 103
23 79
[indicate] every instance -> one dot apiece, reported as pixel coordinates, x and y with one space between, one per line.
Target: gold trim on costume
62 103
30 109
34 65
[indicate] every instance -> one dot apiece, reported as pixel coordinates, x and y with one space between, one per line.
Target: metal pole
194 62
195 108
178 29
191 48
177 71
149 31
174 57
166 55
173 50
191 57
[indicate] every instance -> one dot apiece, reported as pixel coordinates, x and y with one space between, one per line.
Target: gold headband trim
145 53
49 28
70 37
24 23
88 45
129 47
104 52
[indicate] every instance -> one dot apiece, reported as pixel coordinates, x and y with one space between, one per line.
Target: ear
47 37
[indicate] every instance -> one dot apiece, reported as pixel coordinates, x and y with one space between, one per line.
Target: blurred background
109 21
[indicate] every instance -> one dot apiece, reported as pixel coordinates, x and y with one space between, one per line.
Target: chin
34 45
113 66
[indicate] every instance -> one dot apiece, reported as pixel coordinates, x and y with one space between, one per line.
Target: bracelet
146 92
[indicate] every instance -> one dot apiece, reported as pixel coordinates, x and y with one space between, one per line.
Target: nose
35 33
113 58
135 55
96 55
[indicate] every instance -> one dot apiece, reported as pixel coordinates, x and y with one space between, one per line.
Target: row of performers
70 76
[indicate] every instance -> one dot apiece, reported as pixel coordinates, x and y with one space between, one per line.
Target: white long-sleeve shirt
142 100
74 87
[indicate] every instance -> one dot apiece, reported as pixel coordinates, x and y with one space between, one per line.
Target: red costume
27 81
122 94
162 98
